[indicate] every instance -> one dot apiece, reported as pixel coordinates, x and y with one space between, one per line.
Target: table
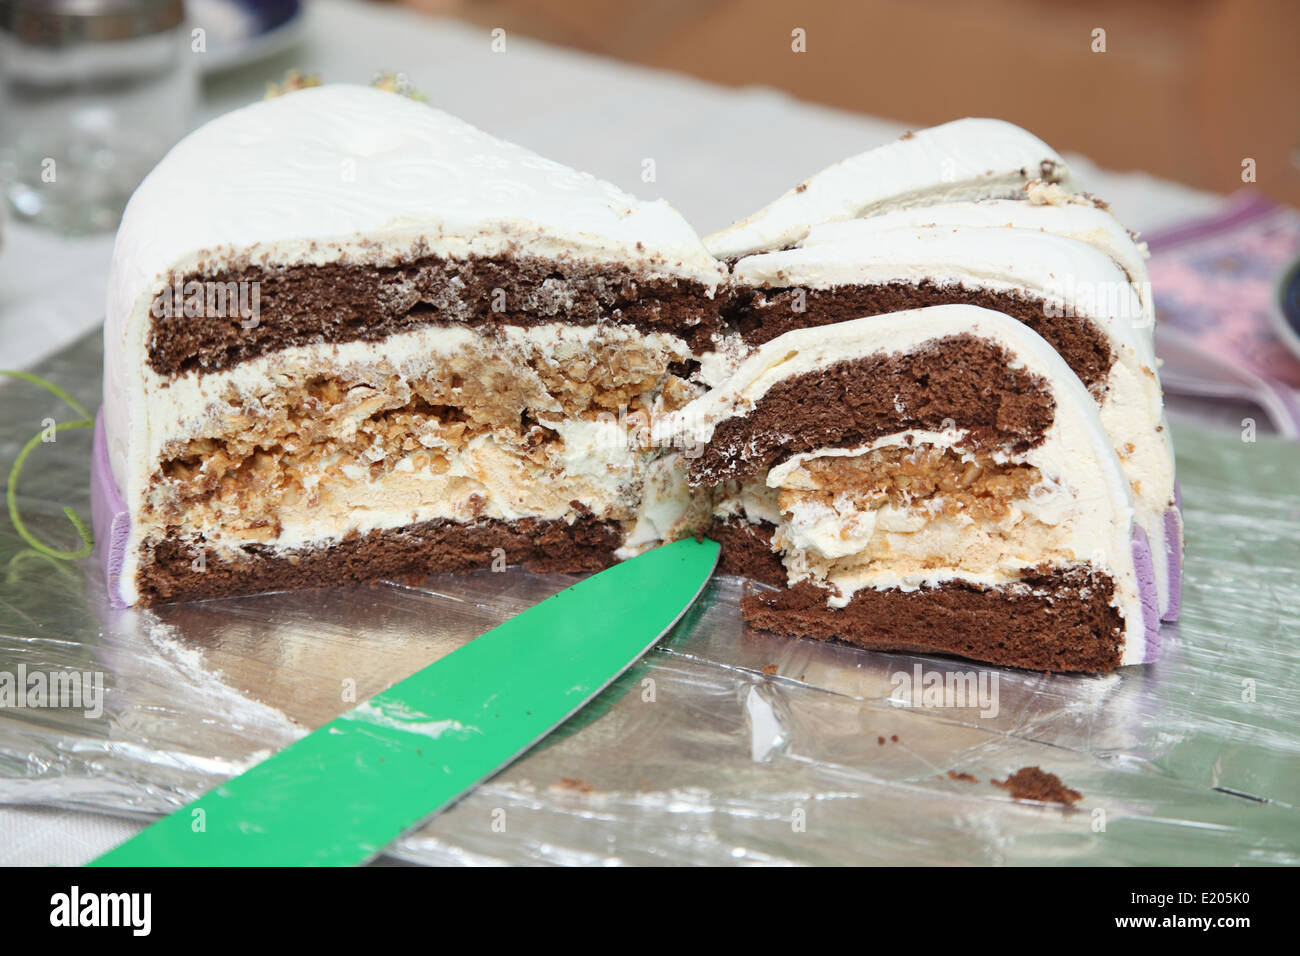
597 115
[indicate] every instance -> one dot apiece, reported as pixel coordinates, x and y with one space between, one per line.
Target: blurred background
1188 90
1175 87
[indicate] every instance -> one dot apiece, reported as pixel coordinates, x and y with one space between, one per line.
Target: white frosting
965 159
1093 495
1071 275
750 501
665 504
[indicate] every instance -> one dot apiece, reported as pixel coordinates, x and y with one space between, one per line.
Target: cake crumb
893 738
880 741
769 669
1031 783
962 776
293 80
572 783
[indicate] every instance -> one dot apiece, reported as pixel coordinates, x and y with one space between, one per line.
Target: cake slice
1068 290
350 336
1051 208
936 480
961 160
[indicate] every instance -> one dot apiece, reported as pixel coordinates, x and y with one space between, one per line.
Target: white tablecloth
719 154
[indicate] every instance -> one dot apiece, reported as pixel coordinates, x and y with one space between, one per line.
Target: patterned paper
1214 280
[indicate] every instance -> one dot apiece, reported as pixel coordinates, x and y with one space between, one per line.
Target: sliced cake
978 212
352 338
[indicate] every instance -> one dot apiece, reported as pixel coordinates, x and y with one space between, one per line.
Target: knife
341 794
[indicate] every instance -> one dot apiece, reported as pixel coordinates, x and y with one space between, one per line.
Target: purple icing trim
1147 594
1174 552
108 514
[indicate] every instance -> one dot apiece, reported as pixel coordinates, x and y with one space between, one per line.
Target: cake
352 338
934 480
1047 281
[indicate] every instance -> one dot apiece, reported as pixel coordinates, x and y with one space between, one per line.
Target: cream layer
856 537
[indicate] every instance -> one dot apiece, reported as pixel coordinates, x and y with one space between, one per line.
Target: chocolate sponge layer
1056 620
760 315
747 550
960 379
330 304
170 571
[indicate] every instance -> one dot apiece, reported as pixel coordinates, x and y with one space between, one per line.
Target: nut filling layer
513 426
882 516
946 482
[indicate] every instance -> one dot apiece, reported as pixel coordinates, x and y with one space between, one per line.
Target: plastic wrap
724 745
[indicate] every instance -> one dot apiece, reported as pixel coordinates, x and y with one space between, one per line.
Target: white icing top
338 170
964 159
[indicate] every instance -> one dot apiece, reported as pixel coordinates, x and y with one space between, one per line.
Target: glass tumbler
92 93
